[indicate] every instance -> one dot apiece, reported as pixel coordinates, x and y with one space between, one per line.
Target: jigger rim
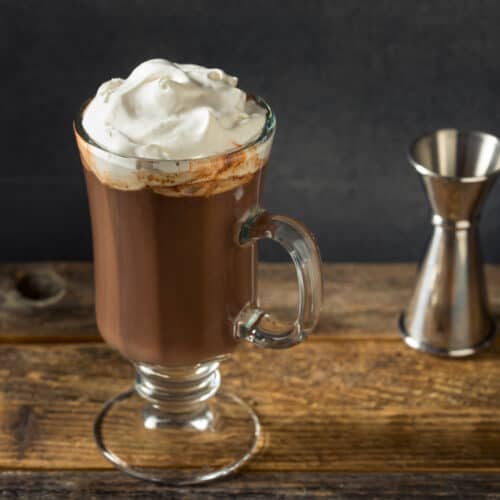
420 168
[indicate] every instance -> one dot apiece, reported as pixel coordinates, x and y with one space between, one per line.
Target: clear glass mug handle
255 325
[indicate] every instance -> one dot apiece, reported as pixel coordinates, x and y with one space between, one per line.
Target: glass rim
267 133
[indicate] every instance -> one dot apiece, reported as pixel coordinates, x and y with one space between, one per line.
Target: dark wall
352 83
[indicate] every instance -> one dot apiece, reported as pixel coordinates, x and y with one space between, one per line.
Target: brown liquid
170 277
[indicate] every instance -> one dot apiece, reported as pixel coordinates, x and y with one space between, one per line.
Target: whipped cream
165 110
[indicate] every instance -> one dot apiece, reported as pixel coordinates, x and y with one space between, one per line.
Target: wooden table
352 412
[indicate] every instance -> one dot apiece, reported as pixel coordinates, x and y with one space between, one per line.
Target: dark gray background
352 82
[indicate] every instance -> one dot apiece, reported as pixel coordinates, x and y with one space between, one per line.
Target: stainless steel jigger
448 314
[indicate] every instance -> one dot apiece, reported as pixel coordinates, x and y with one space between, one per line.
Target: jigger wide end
448 314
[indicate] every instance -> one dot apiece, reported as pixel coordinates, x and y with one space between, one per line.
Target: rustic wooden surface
62 485
70 318
352 412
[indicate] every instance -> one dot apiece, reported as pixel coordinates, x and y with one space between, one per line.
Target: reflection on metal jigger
448 314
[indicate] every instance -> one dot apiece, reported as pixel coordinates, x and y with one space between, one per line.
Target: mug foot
145 443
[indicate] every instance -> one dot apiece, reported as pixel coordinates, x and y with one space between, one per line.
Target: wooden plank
47 301
344 406
361 300
353 399
74 485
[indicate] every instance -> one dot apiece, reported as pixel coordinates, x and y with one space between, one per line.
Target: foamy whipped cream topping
165 110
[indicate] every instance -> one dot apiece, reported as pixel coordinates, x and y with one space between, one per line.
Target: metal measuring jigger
448 314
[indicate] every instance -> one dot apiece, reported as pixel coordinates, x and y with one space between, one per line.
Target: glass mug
175 274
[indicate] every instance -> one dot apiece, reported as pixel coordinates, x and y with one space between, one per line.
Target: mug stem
177 395
176 427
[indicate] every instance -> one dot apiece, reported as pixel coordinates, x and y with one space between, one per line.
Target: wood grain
350 413
72 485
348 406
360 300
71 318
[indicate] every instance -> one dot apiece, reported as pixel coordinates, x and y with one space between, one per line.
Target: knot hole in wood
40 287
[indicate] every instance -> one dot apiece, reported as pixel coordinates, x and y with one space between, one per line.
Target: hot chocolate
173 159
170 276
